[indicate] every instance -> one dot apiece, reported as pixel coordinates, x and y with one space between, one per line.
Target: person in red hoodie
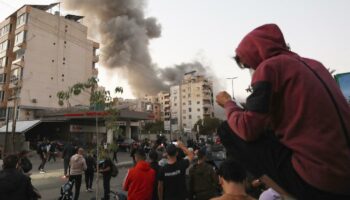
296 124
140 180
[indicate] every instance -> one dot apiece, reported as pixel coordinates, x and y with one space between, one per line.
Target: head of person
259 45
153 155
23 153
10 162
231 172
80 151
140 155
171 151
202 154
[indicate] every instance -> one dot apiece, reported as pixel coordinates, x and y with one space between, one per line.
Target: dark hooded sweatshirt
289 99
139 181
15 185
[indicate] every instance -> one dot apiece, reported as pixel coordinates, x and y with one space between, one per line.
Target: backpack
115 170
26 165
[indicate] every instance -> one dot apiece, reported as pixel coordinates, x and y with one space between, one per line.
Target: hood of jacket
77 157
143 165
261 44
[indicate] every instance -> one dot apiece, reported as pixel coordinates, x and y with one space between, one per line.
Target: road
49 184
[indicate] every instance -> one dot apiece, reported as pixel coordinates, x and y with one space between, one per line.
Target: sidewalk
52 173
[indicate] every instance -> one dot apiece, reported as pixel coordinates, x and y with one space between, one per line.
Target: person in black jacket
67 153
24 163
153 156
89 172
14 184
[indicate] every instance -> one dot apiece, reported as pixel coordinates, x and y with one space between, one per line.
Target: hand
180 144
222 98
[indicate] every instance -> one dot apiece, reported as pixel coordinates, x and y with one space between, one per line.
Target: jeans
43 162
89 177
268 156
77 184
65 165
106 185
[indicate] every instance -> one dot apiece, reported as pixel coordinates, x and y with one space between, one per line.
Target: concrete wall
57 55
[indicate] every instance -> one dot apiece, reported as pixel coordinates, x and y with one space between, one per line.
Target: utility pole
232 79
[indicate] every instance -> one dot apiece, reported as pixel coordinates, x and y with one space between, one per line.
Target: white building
40 54
190 101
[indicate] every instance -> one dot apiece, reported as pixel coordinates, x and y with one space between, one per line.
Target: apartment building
190 101
42 53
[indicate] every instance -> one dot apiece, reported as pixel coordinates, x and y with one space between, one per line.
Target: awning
21 126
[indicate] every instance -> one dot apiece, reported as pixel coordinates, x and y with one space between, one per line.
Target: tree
99 100
207 126
154 127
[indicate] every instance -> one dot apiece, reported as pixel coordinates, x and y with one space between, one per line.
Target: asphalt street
49 184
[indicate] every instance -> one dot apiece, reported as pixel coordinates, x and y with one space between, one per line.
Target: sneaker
87 190
90 190
42 172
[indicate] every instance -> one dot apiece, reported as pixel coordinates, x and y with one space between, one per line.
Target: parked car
125 144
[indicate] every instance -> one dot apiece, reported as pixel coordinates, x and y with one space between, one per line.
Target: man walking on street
106 170
42 152
89 172
295 127
77 167
140 180
172 177
68 152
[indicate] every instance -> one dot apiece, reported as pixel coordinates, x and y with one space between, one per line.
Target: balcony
96 58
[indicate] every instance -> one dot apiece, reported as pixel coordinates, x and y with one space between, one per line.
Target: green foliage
207 125
154 127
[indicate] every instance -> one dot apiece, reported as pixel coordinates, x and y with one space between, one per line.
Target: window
189 109
19 53
4 30
189 95
184 96
2 78
4 45
189 116
175 104
184 103
16 74
2 95
198 117
22 19
3 61
189 102
184 125
184 117
198 102
20 37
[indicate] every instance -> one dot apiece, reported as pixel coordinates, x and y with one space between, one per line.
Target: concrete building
191 100
40 54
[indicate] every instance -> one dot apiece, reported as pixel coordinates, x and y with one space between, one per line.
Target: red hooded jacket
291 100
139 181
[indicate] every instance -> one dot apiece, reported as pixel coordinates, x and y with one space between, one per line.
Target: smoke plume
125 34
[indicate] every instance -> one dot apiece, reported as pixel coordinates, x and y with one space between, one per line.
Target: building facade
190 101
40 54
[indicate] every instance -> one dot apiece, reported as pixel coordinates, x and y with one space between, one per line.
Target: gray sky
209 31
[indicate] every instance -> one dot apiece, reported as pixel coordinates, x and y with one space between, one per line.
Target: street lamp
232 79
